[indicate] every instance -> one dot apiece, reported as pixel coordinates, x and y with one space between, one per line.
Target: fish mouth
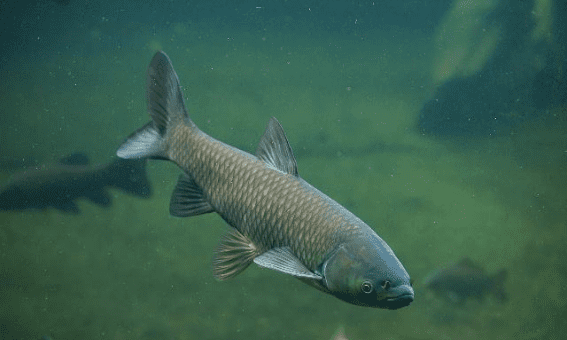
399 301
404 297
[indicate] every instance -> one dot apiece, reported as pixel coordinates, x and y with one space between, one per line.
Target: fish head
366 272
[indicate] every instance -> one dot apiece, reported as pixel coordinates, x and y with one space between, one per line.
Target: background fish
466 279
280 221
59 185
12 164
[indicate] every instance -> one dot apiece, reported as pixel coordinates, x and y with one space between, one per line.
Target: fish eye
366 287
386 285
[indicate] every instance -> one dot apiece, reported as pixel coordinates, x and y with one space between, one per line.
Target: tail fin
498 285
166 107
129 175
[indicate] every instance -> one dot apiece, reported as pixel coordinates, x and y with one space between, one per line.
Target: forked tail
166 107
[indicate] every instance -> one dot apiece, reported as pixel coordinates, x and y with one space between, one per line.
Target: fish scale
237 169
278 220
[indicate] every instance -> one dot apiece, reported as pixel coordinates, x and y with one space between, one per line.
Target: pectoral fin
283 260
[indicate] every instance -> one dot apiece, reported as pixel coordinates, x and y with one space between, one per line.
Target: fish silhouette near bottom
60 184
278 220
464 280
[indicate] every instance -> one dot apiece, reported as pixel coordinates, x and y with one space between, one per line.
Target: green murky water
348 105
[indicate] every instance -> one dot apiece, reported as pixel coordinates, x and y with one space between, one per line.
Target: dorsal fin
275 150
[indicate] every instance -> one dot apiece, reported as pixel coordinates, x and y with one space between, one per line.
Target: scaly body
272 208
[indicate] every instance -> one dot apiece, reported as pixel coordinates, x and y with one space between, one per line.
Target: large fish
59 185
279 220
464 280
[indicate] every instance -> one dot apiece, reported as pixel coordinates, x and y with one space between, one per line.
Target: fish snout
400 297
